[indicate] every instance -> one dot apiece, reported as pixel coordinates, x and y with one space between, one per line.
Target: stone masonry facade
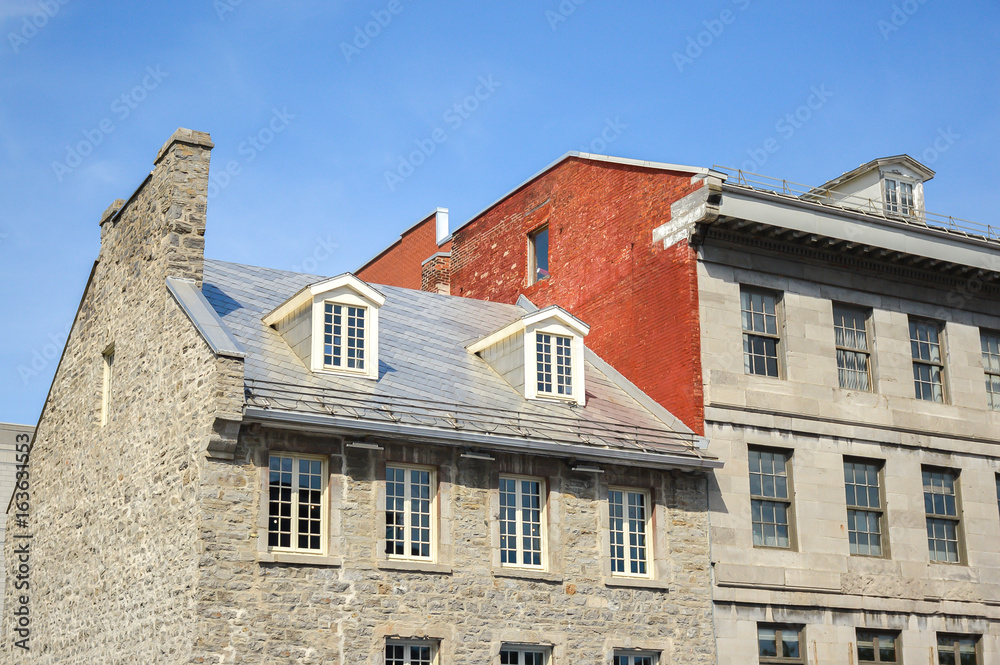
342 610
146 531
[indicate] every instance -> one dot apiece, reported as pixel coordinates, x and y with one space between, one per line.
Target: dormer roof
882 163
345 280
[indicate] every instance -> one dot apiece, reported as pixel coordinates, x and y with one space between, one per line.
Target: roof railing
909 215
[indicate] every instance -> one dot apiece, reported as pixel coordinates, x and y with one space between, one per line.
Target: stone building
244 465
838 346
12 437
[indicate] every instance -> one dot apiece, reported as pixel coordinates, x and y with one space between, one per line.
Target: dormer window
540 355
899 197
332 326
344 336
554 378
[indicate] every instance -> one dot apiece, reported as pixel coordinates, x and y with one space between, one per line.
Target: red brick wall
640 300
399 264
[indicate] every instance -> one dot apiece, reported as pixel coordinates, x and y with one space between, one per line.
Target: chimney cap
188 136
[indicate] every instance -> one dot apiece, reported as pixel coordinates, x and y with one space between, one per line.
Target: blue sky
690 83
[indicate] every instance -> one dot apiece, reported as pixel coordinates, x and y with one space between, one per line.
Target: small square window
521 515
524 655
770 492
991 367
943 521
958 649
865 512
779 644
410 652
850 326
628 512
927 350
877 647
296 505
409 512
761 337
538 255
636 658
344 336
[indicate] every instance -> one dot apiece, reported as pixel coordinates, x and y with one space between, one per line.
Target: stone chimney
163 223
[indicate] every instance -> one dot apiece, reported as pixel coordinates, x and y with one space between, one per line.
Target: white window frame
344 347
432 644
555 328
628 657
519 522
647 533
521 649
107 382
894 204
324 536
551 373
407 512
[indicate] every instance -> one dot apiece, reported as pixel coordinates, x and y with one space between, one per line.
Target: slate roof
426 375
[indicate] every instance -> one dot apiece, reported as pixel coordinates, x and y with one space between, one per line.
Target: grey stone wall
817 583
114 513
340 609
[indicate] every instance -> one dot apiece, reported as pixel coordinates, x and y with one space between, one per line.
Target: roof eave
699 462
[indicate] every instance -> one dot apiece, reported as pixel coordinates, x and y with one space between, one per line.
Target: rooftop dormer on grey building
889 186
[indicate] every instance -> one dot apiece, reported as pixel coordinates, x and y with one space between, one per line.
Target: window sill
296 558
415 566
637 583
528 574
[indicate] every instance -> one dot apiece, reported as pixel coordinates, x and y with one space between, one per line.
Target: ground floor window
779 644
635 658
410 652
524 655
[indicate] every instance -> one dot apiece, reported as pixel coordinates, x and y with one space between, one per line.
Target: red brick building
603 265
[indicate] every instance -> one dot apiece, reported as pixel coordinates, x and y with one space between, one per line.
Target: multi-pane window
779 644
510 655
957 650
538 255
637 658
628 511
991 365
769 497
864 506
410 652
344 336
296 486
877 647
553 357
850 326
941 506
409 496
928 360
761 341
521 521
109 365
898 197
